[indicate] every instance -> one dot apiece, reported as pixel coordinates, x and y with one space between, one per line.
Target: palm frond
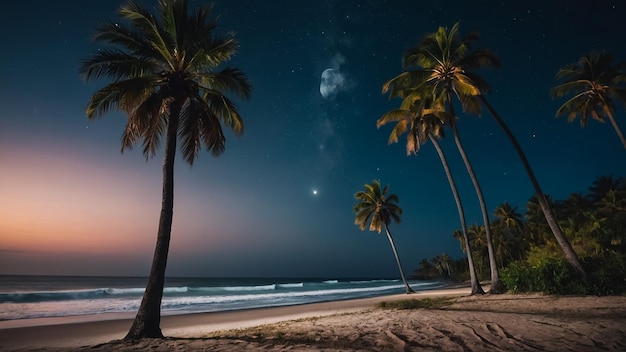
227 80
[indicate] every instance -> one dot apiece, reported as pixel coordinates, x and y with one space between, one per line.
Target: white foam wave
293 285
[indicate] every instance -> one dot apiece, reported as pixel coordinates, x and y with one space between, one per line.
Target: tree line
524 248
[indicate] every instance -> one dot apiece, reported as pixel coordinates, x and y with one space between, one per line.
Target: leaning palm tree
597 85
378 208
434 68
419 117
165 77
453 74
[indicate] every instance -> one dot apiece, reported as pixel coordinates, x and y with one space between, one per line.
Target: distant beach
461 323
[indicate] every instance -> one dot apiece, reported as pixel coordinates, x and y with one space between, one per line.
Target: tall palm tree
449 63
379 209
436 64
420 118
165 79
597 85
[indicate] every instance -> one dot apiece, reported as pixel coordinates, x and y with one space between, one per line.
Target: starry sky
279 201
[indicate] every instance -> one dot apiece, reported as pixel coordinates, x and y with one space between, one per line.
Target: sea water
25 297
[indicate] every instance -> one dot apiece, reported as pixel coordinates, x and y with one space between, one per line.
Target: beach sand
470 323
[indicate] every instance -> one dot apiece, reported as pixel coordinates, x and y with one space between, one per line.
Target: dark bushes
605 276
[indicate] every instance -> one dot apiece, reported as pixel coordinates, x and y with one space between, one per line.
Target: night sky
279 201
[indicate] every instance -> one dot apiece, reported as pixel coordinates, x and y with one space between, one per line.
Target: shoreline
77 331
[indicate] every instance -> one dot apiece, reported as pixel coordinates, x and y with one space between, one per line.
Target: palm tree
436 64
449 63
507 241
378 208
509 216
420 117
165 78
445 261
596 85
602 185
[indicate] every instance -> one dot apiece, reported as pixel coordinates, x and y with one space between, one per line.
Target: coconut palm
596 84
448 63
165 78
434 67
509 216
445 261
379 209
507 241
602 185
420 118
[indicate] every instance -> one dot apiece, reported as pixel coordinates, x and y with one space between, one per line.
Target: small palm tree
165 78
379 209
597 86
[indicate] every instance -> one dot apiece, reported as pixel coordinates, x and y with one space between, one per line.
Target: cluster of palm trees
440 76
593 223
166 77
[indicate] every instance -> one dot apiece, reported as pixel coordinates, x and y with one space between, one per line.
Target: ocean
26 297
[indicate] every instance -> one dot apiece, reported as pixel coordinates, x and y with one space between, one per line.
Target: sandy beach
465 323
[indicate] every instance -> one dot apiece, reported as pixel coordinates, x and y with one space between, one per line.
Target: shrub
518 277
605 276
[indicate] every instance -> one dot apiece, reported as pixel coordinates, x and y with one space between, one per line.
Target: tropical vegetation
529 256
166 78
378 208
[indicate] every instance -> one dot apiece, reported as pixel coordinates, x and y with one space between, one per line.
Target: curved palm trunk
568 251
615 125
476 288
395 253
496 284
148 319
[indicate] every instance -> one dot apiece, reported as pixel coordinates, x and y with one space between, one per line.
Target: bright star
315 192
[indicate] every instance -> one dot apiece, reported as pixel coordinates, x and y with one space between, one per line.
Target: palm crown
376 205
164 71
594 81
443 63
421 118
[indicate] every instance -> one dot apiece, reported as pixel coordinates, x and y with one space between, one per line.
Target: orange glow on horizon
58 202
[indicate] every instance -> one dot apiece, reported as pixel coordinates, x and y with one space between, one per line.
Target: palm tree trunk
568 251
395 253
497 286
476 288
148 319
615 125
